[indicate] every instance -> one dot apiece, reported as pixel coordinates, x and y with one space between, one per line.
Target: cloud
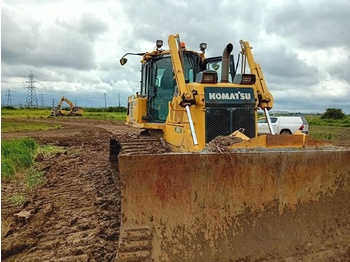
313 24
74 47
18 34
67 44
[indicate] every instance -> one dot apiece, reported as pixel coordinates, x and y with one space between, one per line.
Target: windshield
163 86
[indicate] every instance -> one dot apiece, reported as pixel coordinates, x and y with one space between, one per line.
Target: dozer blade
280 141
251 206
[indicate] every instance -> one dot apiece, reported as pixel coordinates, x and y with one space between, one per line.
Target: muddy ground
74 216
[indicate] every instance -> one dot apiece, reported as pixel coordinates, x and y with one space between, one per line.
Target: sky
73 47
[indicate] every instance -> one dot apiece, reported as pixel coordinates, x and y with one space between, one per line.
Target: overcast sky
73 47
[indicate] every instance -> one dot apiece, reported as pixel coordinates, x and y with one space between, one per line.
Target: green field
24 113
326 129
11 126
332 130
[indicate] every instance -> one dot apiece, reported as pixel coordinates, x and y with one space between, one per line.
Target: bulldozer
260 198
74 110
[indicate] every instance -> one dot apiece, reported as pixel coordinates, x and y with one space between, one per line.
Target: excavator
74 110
263 198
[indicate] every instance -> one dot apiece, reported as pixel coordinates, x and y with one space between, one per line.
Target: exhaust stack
226 63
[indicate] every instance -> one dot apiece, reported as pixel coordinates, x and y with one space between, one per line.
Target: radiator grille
221 121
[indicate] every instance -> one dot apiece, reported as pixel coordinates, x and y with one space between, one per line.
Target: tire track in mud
75 216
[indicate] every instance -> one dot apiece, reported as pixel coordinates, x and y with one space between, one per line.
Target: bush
108 109
9 107
333 113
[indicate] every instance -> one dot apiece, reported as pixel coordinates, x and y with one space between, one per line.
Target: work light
159 43
203 46
246 79
207 76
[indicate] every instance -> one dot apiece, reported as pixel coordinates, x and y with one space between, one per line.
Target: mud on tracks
75 215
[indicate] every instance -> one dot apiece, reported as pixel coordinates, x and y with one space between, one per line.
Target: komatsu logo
230 96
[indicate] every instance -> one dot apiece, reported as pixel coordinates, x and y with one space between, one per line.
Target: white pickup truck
283 125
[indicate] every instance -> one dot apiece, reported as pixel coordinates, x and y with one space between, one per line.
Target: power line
31 95
2 100
9 101
42 100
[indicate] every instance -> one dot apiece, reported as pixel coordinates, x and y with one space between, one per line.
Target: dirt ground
75 215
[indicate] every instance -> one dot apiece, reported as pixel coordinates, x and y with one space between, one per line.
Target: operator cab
158 83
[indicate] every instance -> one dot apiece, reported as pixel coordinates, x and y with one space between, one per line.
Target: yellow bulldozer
259 198
73 110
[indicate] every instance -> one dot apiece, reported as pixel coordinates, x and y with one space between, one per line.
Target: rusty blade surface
223 207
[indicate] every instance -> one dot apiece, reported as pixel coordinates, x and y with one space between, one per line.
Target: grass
45 113
337 131
315 120
18 168
106 115
16 155
17 199
336 134
22 185
11 126
25 113
34 178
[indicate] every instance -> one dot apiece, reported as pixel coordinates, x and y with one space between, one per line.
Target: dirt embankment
75 215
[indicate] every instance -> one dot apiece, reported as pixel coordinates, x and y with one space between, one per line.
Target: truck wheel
286 132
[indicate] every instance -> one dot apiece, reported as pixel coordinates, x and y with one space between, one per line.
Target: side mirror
123 61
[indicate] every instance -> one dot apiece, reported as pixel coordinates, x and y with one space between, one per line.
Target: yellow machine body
176 130
267 198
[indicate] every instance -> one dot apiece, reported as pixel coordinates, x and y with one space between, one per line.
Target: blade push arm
177 61
265 97
187 98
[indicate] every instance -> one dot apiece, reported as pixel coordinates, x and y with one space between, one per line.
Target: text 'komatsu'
230 96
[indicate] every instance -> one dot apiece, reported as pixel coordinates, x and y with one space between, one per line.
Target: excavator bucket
271 205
